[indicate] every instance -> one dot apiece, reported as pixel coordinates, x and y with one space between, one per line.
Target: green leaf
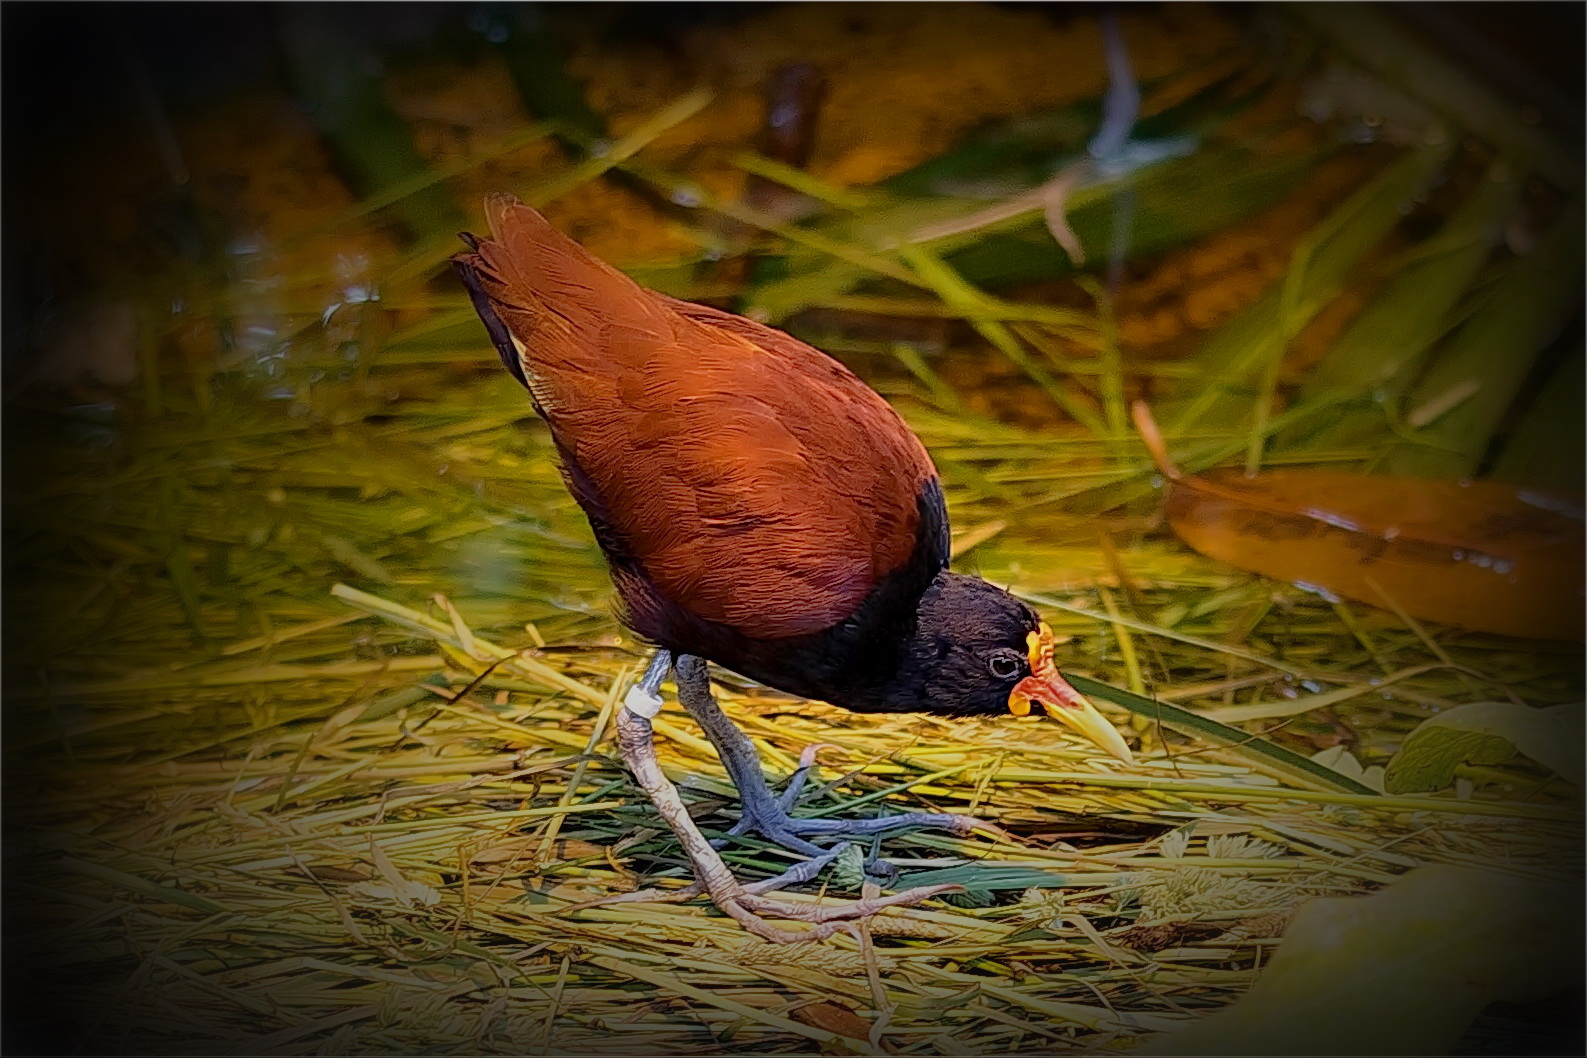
1321 266
1533 454
1028 935
1027 149
1386 344
1486 733
1403 971
1476 375
1268 757
849 870
1176 202
976 878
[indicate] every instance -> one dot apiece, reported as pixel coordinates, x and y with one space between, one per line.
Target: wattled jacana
761 508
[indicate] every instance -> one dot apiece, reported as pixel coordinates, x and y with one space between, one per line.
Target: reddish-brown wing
757 481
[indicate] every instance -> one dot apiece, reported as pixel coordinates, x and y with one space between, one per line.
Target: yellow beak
1061 701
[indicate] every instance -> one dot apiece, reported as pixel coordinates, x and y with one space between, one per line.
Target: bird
762 509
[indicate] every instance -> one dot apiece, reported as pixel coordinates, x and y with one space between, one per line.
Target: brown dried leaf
1482 555
834 1018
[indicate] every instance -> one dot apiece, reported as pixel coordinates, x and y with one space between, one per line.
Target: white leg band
641 702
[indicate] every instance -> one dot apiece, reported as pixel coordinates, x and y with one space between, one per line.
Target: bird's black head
977 650
969 650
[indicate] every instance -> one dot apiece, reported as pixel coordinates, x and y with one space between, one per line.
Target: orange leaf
1481 555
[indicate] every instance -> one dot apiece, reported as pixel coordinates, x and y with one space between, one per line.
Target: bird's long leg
738 755
644 697
635 742
764 813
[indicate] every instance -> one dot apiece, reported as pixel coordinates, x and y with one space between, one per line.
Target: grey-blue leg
763 812
635 743
655 672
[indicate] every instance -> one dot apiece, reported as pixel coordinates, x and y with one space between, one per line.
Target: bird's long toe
846 911
796 834
752 911
799 873
771 828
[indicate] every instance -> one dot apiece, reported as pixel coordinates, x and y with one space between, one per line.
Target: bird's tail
544 298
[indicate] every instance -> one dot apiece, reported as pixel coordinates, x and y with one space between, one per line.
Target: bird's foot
794 833
770 819
743 903
746 905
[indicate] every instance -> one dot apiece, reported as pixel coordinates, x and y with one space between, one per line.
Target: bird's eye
1005 664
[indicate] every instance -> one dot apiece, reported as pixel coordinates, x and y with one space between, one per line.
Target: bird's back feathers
728 468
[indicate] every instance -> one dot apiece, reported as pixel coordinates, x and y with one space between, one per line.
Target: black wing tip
467 266
470 240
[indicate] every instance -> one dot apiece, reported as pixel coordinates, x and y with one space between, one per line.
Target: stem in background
1146 426
1111 365
1290 321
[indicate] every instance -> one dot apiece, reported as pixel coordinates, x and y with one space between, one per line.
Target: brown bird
761 508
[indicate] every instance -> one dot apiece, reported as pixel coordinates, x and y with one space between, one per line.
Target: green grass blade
1263 755
1490 356
1384 345
144 887
337 75
534 57
437 249
1546 449
979 310
1232 356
